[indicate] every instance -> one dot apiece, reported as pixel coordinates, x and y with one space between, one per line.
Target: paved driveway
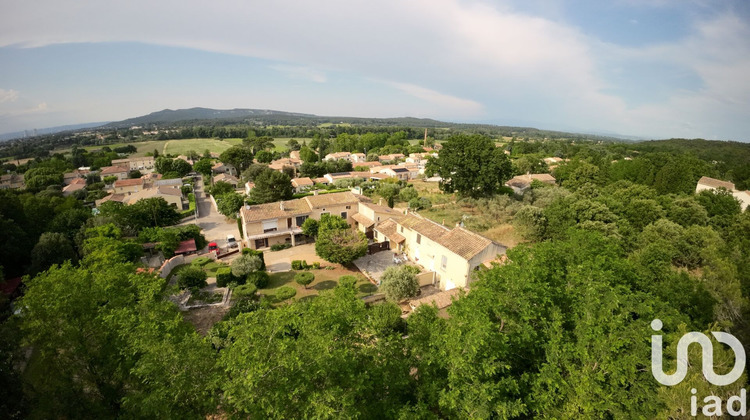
282 260
215 226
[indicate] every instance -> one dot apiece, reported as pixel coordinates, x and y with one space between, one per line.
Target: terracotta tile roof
118 198
167 190
267 211
321 180
369 164
522 181
384 209
379 176
113 170
387 227
78 181
363 220
716 183
302 182
128 182
460 241
74 187
338 155
226 178
323 200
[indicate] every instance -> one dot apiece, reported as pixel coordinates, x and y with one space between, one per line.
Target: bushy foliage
259 278
192 277
399 282
304 278
284 293
245 264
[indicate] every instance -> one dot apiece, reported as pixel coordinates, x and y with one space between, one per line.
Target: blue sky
649 68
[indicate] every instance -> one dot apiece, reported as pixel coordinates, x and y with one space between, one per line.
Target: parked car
213 247
231 242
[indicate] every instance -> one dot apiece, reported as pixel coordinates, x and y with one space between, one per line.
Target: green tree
307 155
264 156
271 186
108 345
253 171
470 165
204 166
230 203
52 248
310 227
293 144
339 244
400 282
220 188
237 156
109 180
258 144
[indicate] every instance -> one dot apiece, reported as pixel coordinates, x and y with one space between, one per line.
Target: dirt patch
205 318
504 234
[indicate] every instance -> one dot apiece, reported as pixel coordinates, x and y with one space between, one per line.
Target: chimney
380 202
281 205
315 192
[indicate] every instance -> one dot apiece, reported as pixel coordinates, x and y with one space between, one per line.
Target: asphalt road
215 226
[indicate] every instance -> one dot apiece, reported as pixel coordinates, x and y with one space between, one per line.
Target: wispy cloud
460 106
9 95
301 72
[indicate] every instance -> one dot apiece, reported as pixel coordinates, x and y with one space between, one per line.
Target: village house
12 182
369 214
366 164
337 156
170 194
452 254
264 225
332 178
230 179
521 183
358 157
75 185
121 172
706 183
294 154
402 172
390 158
128 186
279 164
144 163
302 184
69 177
223 168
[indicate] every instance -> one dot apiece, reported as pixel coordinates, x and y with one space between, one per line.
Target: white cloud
505 64
301 72
8 95
461 107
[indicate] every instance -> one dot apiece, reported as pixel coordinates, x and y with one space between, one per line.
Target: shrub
259 254
299 265
279 247
201 261
192 277
224 276
245 264
347 281
316 265
285 292
400 282
243 306
305 265
259 278
244 291
304 278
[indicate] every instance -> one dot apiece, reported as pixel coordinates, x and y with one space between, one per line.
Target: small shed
186 248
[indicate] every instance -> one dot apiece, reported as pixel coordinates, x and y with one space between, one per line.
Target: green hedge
201 261
259 278
224 276
245 291
279 247
285 292
304 278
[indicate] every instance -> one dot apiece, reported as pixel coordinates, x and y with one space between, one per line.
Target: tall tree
238 156
271 186
471 165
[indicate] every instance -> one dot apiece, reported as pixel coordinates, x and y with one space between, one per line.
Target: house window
300 220
443 262
343 215
402 229
419 238
270 225
348 207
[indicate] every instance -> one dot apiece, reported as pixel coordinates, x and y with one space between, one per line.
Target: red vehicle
213 247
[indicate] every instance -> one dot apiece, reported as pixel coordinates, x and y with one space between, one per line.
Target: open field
180 147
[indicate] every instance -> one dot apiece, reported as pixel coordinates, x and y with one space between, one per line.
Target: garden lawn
324 280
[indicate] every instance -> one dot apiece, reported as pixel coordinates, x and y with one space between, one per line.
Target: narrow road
215 226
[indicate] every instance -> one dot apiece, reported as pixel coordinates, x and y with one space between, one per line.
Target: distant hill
169 116
49 130
264 117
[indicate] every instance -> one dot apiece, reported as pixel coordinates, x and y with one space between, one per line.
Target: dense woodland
561 330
